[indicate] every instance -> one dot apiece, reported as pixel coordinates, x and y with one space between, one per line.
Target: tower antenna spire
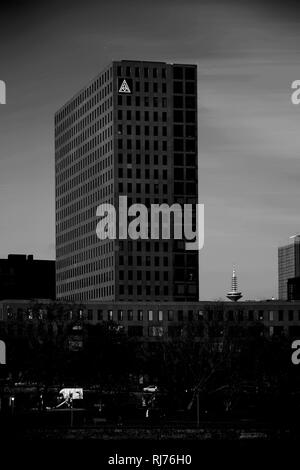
234 294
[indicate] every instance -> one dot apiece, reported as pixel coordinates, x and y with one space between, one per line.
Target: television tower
234 295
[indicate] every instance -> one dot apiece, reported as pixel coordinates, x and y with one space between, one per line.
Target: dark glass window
178 87
190 102
190 73
178 73
190 88
178 116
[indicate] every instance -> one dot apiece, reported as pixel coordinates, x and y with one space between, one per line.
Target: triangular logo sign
124 88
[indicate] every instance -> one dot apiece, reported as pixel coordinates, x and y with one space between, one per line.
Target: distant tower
234 294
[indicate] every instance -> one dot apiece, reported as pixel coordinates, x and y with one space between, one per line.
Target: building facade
153 321
293 287
132 131
288 265
23 277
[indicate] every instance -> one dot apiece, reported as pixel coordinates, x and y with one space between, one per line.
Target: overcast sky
248 54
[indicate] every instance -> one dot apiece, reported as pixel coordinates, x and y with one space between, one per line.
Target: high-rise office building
288 265
132 131
293 288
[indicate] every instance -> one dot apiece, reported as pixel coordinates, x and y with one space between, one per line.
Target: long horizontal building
154 320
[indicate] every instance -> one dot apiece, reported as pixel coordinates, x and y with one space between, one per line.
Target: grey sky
247 55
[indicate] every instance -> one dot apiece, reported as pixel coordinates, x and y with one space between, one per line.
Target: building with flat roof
132 131
288 265
156 321
23 277
293 287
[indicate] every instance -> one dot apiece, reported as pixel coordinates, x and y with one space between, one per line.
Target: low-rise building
154 321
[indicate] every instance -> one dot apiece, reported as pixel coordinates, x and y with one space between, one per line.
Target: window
150 315
170 315
110 315
90 314
178 102
190 116
120 315
271 315
178 87
178 72
140 315
190 102
190 88
280 315
130 315
160 315
291 315
190 73
178 116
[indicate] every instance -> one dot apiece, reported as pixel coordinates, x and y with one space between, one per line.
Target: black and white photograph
150 227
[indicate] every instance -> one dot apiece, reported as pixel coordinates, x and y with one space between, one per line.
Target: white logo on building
164 222
124 88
